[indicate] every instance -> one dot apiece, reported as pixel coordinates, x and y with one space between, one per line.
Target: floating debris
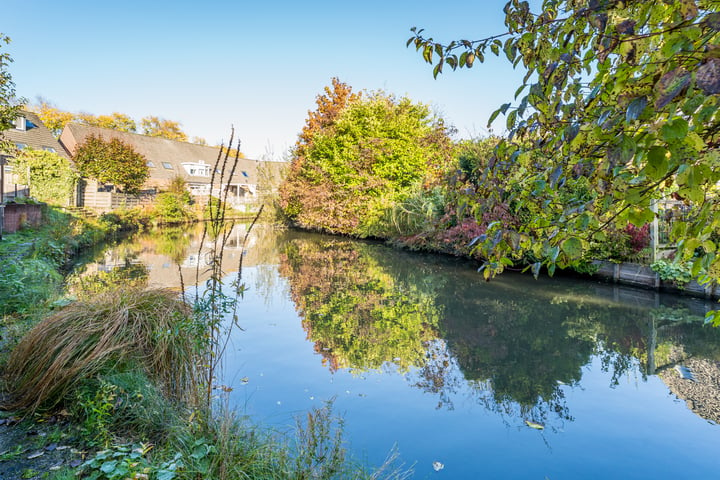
244 380
36 455
53 446
437 466
536 426
684 372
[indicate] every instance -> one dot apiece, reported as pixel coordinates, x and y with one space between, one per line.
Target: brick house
29 132
167 160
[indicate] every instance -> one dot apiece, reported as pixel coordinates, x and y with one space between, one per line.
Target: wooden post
654 235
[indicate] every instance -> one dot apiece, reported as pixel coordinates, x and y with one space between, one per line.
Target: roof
35 135
161 153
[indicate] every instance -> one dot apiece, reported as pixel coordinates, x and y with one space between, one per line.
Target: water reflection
515 341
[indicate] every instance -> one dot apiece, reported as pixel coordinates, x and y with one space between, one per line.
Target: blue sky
255 65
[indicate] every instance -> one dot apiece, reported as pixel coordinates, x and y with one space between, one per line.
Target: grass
109 332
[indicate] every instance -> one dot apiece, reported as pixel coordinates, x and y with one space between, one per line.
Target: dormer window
199 169
21 123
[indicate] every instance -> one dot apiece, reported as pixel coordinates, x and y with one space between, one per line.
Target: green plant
26 285
97 411
123 462
29 473
676 272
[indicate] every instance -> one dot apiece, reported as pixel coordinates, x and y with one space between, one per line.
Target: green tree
619 105
112 162
160 127
9 105
51 176
355 162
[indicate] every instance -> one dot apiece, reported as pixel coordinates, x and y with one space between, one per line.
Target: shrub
110 331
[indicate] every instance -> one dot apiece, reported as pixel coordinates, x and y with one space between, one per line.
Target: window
150 164
245 174
20 146
167 165
48 149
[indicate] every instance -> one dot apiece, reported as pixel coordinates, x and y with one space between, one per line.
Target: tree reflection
357 314
515 344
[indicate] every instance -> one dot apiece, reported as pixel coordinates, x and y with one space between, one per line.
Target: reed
122 329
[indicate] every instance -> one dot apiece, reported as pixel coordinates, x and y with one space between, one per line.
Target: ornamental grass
121 330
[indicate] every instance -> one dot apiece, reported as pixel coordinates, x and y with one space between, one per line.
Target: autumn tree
358 157
115 121
52 117
113 162
619 106
160 127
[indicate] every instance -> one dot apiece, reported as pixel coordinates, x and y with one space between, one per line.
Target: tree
357 157
160 127
52 117
114 121
9 105
50 175
112 162
619 106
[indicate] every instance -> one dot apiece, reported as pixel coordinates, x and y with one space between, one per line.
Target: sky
256 66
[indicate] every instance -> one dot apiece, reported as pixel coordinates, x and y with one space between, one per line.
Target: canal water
555 378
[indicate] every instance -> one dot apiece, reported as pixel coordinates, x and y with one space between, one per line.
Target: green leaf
657 164
572 247
534 425
674 130
635 109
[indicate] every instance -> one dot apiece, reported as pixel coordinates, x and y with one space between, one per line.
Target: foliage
620 95
9 105
52 117
679 273
171 207
27 284
111 161
160 127
115 121
129 462
357 158
52 177
356 314
151 327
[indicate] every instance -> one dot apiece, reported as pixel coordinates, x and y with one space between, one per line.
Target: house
29 132
170 159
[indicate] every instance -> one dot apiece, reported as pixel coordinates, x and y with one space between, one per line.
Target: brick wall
18 215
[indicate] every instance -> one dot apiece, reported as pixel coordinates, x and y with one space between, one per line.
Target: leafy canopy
619 107
112 162
357 156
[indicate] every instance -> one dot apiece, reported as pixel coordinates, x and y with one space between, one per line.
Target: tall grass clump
115 331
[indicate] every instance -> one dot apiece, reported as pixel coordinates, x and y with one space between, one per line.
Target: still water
554 378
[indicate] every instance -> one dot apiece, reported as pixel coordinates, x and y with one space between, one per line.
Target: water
418 353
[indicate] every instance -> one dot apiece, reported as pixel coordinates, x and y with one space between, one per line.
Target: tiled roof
36 135
161 152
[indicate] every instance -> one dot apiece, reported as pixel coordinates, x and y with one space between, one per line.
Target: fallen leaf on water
534 425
